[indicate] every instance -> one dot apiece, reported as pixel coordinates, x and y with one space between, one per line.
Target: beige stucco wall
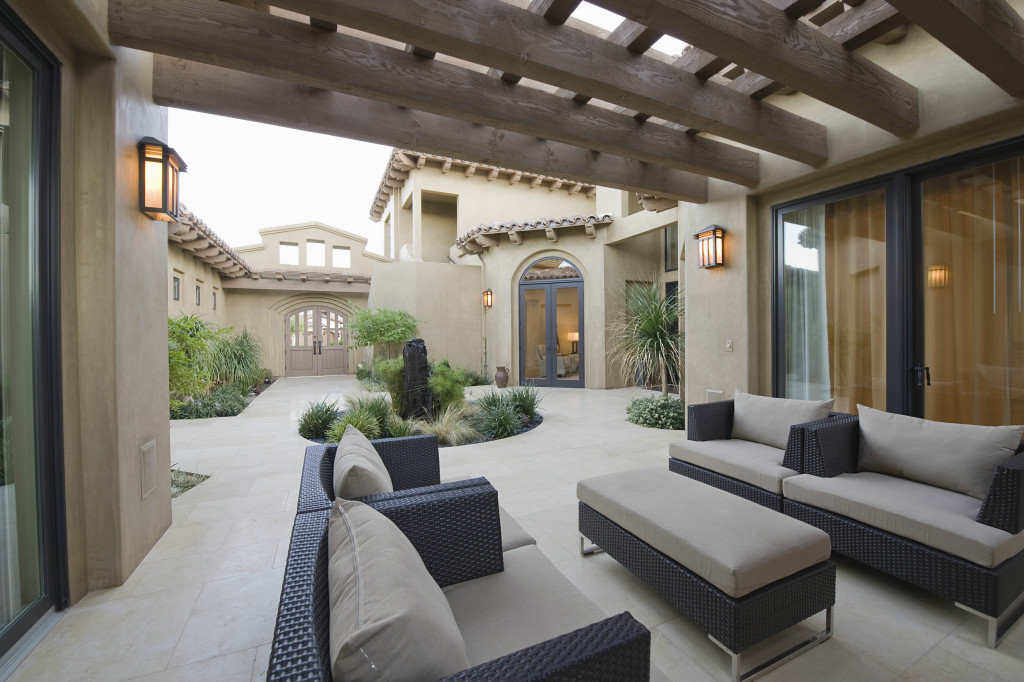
192 273
113 298
960 110
266 255
263 314
446 301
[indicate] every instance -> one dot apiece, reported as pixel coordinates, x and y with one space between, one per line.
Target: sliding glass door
32 568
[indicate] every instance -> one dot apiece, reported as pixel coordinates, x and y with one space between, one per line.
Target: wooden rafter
216 33
555 11
987 34
216 90
578 62
763 38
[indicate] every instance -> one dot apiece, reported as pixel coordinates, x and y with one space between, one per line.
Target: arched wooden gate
316 342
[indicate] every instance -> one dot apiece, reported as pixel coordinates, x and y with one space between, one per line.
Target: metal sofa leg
999 625
737 670
586 549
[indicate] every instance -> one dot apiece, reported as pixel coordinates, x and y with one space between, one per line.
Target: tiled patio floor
202 604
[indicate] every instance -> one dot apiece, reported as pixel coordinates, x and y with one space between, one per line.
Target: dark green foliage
383 329
447 385
400 428
377 406
644 339
389 373
361 418
525 399
489 399
471 377
226 400
266 373
498 419
315 421
188 338
658 412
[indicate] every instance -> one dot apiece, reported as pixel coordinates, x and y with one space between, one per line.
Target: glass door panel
568 333
22 580
833 284
973 290
535 333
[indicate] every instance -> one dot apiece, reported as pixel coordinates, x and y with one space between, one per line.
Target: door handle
922 374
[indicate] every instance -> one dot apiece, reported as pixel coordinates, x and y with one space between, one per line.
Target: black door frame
904 288
551 287
46 327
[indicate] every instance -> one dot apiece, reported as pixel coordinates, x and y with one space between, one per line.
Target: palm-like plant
645 339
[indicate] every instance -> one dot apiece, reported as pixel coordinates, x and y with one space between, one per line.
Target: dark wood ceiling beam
987 34
765 39
635 37
700 63
215 33
504 37
555 11
224 92
796 8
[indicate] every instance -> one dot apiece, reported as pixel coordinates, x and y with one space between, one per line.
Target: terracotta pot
501 377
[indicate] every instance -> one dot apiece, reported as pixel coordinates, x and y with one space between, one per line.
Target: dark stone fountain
419 399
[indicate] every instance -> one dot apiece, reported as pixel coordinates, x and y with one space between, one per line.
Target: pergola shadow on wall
526 86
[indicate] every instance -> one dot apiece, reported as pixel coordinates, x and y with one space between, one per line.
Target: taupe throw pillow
358 469
389 620
957 457
767 420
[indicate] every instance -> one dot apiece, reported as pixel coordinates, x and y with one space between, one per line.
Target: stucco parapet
195 237
482 236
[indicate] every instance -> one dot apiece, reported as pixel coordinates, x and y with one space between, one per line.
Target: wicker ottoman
740 571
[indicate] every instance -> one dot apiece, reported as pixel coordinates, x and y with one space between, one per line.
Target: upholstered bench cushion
527 603
939 518
754 463
389 620
735 544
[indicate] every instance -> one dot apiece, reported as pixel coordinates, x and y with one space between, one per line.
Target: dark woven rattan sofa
520 617
827 488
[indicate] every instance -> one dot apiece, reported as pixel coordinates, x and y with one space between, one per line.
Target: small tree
645 338
383 329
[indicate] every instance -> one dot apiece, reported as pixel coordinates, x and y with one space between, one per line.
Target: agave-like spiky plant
646 338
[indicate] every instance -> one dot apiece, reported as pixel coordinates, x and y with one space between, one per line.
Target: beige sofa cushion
939 518
957 457
358 469
754 463
529 602
735 544
389 619
767 420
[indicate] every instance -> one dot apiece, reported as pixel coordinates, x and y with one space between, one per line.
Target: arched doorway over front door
551 335
316 342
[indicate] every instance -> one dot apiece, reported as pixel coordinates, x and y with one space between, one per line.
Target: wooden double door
316 342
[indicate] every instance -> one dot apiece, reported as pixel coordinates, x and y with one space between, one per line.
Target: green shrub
489 399
236 359
382 328
315 421
389 373
225 400
658 412
498 420
362 419
471 377
525 399
188 338
400 428
451 426
448 386
377 405
266 373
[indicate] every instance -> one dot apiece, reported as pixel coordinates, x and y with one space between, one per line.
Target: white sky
245 176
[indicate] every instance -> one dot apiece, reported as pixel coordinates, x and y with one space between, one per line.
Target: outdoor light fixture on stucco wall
159 166
710 247
488 298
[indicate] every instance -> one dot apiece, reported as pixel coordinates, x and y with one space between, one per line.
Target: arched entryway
316 342
551 324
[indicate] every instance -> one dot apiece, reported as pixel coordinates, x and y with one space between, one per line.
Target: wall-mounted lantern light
938 276
159 166
488 298
710 247
574 337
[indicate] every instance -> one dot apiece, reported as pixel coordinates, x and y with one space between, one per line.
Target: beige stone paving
201 606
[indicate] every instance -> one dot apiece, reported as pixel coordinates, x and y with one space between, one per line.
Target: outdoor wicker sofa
514 602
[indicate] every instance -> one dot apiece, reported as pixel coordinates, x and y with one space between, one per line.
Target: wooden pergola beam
216 90
634 37
555 11
796 8
216 33
763 38
578 62
987 34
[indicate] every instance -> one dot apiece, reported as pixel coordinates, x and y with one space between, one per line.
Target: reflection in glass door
551 325
973 314
32 580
